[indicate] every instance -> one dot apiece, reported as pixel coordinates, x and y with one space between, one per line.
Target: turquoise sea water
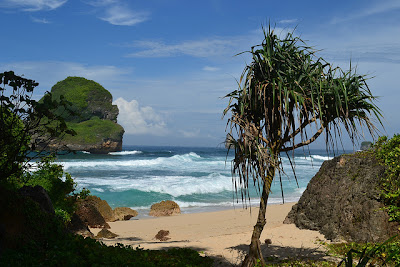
198 179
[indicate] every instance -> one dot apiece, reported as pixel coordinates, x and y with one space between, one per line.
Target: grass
93 131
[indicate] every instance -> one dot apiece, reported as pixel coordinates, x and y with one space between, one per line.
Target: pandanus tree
286 98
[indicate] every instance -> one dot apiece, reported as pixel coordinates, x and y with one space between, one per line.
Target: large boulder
89 214
164 208
101 205
77 226
124 214
39 195
342 201
104 233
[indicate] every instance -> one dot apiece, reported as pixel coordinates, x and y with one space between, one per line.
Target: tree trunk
255 245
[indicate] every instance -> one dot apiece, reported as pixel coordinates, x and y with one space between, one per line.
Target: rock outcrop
93 118
77 226
39 195
89 214
101 205
342 201
164 208
124 214
104 233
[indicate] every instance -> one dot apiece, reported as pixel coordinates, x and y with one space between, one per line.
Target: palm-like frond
286 98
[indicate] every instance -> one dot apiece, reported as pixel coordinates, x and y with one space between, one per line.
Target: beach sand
223 235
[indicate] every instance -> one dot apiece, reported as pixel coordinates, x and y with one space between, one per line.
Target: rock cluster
342 201
164 208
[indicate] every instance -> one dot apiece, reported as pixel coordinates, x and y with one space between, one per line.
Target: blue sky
168 63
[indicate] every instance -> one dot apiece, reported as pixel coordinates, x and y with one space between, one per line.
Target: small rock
268 241
162 235
104 233
164 208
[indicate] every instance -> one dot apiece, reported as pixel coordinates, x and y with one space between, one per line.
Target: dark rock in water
39 195
124 213
77 226
91 216
342 201
164 208
104 233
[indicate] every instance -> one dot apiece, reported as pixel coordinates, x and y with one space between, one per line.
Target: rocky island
95 119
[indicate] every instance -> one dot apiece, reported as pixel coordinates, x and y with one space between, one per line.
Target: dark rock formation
365 145
342 201
124 213
164 208
39 195
89 214
104 233
77 226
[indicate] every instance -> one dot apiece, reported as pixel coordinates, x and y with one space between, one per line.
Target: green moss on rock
88 98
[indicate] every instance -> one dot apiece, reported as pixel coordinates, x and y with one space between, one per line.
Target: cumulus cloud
190 134
139 120
33 5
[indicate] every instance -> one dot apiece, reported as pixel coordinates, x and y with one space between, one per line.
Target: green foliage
86 97
387 151
286 98
368 254
21 119
93 131
78 251
59 185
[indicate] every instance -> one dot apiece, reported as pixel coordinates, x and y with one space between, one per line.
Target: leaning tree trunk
255 245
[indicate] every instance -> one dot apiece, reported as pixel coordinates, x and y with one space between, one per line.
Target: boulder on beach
343 201
77 226
162 235
164 208
101 205
124 213
104 233
89 214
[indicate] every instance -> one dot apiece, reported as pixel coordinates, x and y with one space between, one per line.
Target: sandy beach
223 235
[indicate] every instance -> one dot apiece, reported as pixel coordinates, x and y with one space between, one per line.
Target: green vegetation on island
91 115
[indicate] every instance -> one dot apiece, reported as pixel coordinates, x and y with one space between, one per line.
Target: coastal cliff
94 119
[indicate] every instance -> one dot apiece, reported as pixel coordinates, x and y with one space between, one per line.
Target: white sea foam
85 152
176 161
321 157
123 153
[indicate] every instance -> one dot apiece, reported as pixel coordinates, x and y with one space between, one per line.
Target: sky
168 64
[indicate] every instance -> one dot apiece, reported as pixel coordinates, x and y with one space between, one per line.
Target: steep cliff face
342 201
95 121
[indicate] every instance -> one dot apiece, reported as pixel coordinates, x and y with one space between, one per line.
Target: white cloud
190 134
209 68
102 2
43 20
119 15
199 48
377 8
34 5
288 21
139 120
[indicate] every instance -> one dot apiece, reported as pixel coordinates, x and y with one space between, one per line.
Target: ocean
198 179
